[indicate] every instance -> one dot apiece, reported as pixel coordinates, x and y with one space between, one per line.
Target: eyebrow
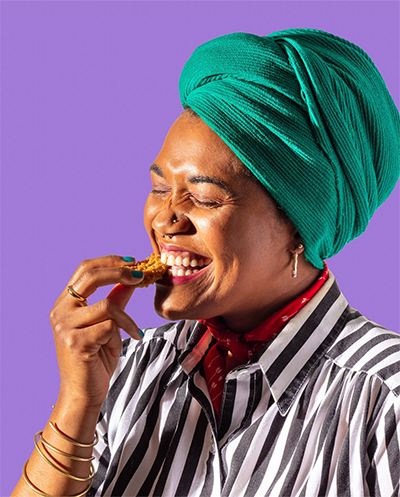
195 180
209 179
157 170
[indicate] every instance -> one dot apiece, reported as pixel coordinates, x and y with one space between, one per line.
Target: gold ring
72 292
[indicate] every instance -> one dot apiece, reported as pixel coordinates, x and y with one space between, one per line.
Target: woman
269 383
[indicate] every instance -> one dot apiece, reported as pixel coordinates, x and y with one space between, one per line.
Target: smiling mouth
183 263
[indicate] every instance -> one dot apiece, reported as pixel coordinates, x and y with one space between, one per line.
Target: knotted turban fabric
311 117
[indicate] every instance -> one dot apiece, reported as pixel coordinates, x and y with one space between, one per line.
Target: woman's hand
87 337
88 344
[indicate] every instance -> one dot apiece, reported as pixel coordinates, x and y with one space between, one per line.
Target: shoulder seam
376 375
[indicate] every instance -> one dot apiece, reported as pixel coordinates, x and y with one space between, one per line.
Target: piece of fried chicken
152 268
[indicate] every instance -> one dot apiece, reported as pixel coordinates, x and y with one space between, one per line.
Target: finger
112 341
121 295
92 279
88 341
102 311
98 262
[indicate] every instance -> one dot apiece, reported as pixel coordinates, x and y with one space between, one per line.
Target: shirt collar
289 358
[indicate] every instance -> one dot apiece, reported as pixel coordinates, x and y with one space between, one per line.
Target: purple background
89 90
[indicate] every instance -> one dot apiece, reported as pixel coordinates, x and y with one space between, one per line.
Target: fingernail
137 274
140 332
129 259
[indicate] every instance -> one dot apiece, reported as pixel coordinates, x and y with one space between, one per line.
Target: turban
311 117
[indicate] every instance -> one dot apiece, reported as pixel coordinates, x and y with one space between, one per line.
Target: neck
249 317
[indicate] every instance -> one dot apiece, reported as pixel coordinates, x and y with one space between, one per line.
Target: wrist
69 401
77 420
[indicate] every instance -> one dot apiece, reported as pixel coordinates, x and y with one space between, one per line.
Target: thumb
121 295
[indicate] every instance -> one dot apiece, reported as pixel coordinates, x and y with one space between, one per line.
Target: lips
182 262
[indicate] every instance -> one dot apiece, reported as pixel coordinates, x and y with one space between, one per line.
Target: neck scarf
233 349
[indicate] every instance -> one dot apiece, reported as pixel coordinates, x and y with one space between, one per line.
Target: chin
164 308
175 314
170 312
167 308
172 315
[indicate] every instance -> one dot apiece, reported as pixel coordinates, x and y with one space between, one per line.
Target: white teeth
179 263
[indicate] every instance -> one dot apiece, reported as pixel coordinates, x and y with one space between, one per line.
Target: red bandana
234 349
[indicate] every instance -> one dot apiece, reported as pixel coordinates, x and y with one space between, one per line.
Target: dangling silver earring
294 263
295 260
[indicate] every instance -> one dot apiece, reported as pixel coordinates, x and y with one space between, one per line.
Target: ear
297 244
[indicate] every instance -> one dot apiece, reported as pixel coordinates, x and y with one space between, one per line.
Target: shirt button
212 447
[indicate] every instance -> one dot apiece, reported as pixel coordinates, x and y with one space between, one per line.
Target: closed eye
205 203
159 191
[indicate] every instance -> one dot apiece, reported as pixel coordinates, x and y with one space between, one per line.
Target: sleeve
101 451
101 455
138 383
383 474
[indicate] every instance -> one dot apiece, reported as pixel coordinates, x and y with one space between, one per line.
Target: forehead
192 144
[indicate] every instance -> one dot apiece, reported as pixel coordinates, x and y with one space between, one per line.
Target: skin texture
236 225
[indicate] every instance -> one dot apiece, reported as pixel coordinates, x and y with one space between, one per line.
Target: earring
295 260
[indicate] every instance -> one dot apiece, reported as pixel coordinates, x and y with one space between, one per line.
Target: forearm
77 423
88 344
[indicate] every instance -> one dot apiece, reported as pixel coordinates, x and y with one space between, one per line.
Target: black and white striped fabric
316 413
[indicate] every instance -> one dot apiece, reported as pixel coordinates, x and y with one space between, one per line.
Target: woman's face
229 250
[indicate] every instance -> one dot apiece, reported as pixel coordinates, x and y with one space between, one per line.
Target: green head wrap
311 117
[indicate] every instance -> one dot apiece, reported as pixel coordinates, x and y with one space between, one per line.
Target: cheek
257 242
218 233
228 248
271 247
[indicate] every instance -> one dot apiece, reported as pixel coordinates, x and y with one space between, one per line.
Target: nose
171 221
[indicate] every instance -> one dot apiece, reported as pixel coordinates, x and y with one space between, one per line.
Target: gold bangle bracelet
65 473
70 456
74 442
35 489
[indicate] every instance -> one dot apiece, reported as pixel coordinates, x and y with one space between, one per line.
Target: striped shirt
314 413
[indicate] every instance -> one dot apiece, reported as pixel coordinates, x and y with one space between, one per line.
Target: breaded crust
152 268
